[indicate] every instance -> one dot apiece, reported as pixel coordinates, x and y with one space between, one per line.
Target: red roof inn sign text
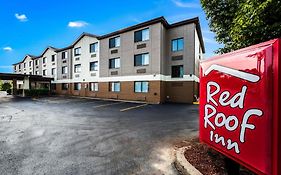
239 106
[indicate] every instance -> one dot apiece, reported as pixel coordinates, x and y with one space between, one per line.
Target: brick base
159 91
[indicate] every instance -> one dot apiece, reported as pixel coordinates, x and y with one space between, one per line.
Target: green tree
240 23
6 86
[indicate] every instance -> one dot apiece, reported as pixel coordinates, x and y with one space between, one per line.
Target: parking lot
67 135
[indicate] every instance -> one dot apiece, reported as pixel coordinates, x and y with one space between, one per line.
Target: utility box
240 106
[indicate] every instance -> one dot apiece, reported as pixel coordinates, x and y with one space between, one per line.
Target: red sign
238 100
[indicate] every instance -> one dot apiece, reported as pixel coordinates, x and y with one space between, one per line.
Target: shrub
6 86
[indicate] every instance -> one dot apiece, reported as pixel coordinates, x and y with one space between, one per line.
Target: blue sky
29 26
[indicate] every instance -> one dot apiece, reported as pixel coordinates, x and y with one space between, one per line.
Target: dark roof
31 56
11 76
49 47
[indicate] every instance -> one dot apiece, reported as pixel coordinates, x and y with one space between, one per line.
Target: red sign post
239 106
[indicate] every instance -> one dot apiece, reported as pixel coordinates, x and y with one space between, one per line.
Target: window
177 44
94 87
77 68
142 35
44 72
77 86
141 59
94 66
24 65
114 42
30 73
141 86
177 71
64 55
77 51
53 58
93 47
64 70
115 87
37 72
64 86
53 71
19 66
114 63
30 63
44 60
36 62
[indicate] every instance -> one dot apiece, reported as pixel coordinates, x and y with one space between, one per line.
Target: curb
182 165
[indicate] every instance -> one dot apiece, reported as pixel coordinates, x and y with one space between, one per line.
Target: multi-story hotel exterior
152 61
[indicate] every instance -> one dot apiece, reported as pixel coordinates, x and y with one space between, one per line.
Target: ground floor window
115 87
94 87
141 86
177 71
77 86
64 86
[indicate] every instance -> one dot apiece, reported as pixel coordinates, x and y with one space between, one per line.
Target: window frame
180 76
95 87
64 55
64 68
142 57
136 39
44 61
77 49
64 88
93 62
177 44
44 72
53 59
110 65
112 86
96 48
77 69
114 46
77 86
142 90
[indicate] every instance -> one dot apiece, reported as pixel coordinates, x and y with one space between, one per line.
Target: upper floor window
77 68
64 70
24 65
36 62
19 66
77 86
53 58
177 71
94 87
114 42
141 86
142 35
177 44
77 51
114 63
44 60
53 71
64 55
141 59
94 66
30 63
115 87
44 72
93 47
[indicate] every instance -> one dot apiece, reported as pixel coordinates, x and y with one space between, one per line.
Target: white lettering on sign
231 122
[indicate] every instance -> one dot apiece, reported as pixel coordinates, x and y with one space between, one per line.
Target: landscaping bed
207 160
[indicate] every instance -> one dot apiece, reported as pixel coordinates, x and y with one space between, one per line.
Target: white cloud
182 4
6 67
77 24
7 49
21 18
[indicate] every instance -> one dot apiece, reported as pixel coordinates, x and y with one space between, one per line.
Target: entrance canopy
10 76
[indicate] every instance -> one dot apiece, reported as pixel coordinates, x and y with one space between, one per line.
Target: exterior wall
127 50
49 64
198 53
84 59
39 66
64 62
24 70
181 92
186 32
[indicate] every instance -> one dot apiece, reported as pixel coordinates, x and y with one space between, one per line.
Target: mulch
205 159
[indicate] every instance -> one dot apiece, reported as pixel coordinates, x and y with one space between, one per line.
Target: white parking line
134 107
109 104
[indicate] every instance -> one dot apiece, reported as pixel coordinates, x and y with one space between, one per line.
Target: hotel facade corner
153 61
